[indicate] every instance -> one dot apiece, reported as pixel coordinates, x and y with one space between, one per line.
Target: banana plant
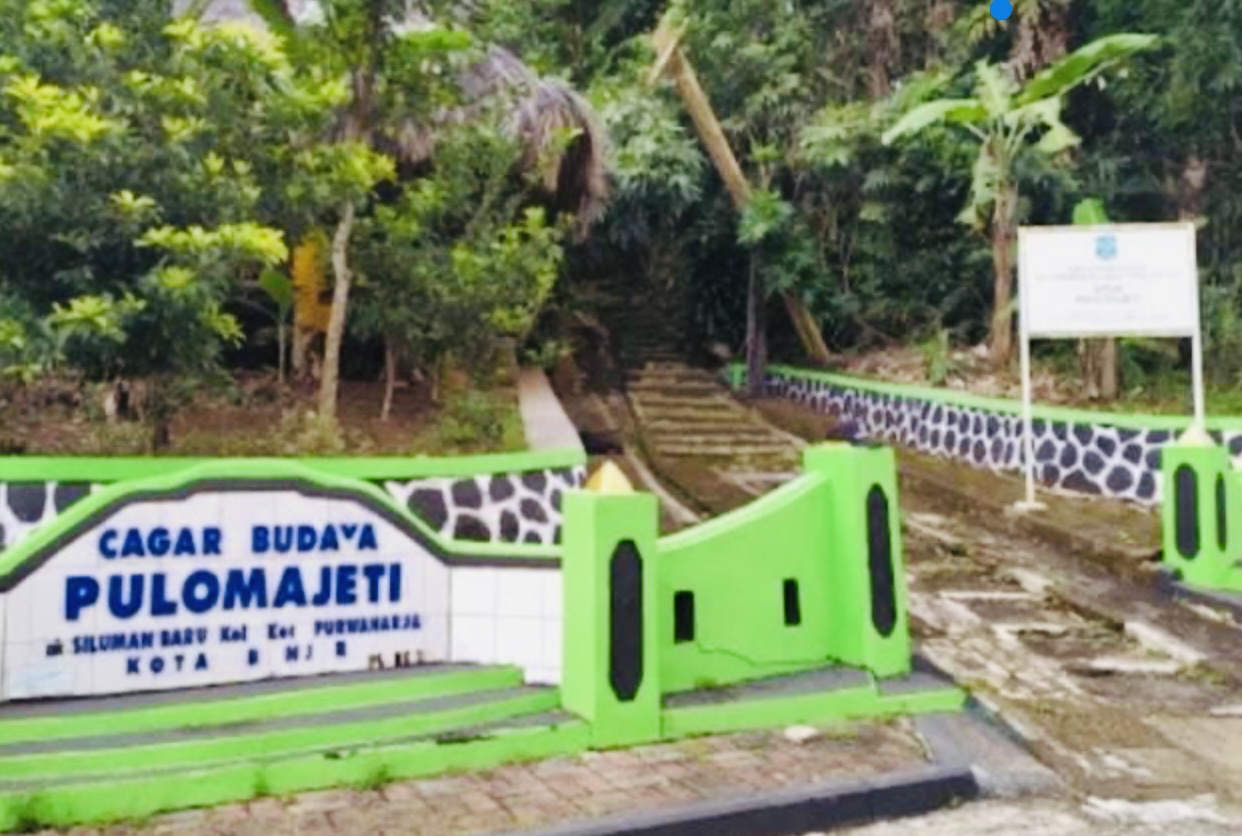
279 288
1008 120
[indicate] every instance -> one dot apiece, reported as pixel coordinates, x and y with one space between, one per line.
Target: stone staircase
709 447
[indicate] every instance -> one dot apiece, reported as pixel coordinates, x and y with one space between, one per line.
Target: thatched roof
540 109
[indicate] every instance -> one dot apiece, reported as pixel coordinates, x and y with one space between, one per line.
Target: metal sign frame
1025 236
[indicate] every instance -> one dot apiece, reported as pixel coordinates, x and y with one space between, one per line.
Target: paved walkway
546 425
561 790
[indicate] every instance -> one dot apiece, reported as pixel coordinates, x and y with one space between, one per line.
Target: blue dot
1002 9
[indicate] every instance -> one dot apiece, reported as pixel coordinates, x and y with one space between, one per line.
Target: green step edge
261 746
114 801
856 703
209 712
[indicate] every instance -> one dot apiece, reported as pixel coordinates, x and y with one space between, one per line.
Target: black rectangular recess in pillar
793 607
1186 511
880 563
1222 513
625 621
683 616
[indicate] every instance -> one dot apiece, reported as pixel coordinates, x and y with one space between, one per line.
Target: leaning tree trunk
671 60
335 336
1003 214
756 332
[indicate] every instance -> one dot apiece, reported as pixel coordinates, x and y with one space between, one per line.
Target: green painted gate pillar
611 672
865 572
1200 515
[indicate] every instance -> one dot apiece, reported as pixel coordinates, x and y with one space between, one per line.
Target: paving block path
560 790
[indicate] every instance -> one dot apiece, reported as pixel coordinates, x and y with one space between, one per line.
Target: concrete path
562 790
545 422
1121 701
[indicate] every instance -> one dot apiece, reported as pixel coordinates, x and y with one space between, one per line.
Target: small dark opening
793 611
683 617
1222 513
601 444
1186 511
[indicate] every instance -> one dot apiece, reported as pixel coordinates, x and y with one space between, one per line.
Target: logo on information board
1106 247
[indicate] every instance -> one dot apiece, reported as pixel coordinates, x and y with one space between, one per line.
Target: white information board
1125 280
1106 280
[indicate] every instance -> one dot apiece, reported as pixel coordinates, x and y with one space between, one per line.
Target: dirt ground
257 416
969 370
1129 530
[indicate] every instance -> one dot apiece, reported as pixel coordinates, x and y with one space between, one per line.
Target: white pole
1196 343
1196 378
1028 434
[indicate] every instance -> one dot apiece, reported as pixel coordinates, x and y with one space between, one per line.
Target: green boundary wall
1101 453
119 468
1007 406
664 637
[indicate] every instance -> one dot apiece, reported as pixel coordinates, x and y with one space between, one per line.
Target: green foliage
456 264
936 360
474 420
1090 211
1083 65
657 166
764 215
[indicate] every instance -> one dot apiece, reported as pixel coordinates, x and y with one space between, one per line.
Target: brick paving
558 790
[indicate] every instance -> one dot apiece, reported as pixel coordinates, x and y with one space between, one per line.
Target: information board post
1028 406
1106 280
1196 381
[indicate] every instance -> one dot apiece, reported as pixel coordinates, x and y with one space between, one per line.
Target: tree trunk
342 279
756 332
390 379
883 46
301 340
712 135
1109 378
281 351
1001 338
1189 190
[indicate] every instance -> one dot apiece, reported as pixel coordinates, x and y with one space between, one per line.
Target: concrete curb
948 780
801 810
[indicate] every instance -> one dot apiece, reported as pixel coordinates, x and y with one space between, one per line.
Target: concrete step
670 366
665 374
638 361
680 388
724 451
658 407
657 426
660 426
663 420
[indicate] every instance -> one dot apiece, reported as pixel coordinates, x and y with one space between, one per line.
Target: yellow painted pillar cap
609 479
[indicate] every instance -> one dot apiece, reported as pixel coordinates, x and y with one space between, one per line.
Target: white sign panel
219 587
1114 280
